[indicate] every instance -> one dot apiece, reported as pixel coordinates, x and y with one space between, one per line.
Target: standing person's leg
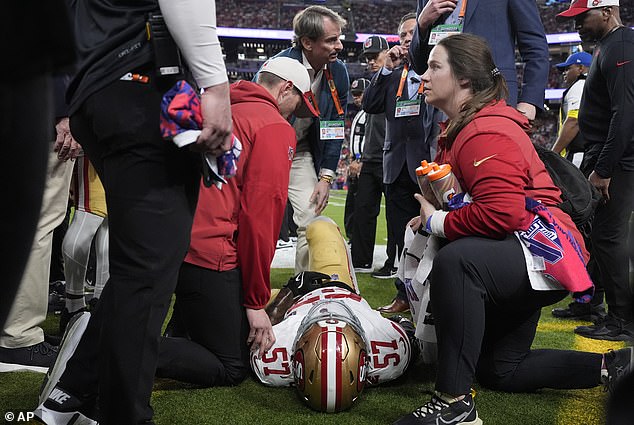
594 311
284 230
390 249
292 226
366 211
610 252
349 209
403 207
56 272
26 133
22 328
388 270
150 190
300 188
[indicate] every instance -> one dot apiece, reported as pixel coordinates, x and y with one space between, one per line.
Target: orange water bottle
423 182
444 184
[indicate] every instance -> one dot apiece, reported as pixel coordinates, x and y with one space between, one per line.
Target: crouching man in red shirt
224 282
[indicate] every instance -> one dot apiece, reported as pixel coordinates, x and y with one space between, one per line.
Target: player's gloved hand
305 282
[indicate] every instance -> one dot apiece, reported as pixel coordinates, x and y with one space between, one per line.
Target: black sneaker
437 411
62 407
619 363
35 358
579 311
385 272
611 328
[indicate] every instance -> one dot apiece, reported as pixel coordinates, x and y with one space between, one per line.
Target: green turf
335 209
176 403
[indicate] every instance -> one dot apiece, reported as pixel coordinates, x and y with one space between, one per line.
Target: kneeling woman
487 288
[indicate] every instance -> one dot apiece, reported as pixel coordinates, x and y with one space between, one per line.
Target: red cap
577 7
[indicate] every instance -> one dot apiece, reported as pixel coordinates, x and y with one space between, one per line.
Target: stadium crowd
364 16
186 201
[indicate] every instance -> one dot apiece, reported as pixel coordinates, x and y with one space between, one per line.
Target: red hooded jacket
238 225
496 163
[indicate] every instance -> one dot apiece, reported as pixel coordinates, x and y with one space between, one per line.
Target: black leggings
209 306
486 316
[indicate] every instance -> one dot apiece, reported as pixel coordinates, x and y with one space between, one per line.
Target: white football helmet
330 357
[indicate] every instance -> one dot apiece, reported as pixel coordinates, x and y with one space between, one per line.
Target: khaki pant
31 300
300 187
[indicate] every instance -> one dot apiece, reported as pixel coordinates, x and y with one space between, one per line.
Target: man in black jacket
396 90
371 186
151 187
606 125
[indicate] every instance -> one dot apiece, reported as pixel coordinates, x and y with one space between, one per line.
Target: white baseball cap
294 71
577 7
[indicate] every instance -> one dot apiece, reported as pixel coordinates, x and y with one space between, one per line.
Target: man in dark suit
370 184
505 24
396 90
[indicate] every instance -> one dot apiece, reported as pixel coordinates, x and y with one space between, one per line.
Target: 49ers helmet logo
299 370
330 359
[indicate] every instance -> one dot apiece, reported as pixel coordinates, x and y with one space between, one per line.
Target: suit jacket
326 153
407 139
501 22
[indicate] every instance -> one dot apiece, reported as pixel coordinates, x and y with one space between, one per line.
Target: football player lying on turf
329 341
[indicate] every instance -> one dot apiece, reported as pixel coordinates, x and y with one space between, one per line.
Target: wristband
326 178
428 225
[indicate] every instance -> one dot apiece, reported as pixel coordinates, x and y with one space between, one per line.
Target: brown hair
310 23
470 58
406 17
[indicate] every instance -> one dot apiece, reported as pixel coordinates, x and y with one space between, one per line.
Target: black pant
288 227
151 189
57 260
486 315
350 207
367 209
609 237
400 208
209 306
